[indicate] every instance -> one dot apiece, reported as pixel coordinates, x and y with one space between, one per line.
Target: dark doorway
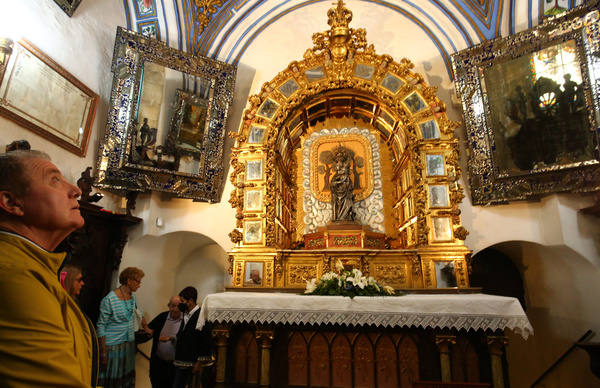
496 274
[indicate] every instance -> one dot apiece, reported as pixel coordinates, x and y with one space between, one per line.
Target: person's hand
164 338
148 330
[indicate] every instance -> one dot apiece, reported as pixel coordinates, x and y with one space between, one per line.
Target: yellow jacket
45 340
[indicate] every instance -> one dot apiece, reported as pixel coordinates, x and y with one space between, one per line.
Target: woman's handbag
140 334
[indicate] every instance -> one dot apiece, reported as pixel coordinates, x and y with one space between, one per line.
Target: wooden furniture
97 248
283 340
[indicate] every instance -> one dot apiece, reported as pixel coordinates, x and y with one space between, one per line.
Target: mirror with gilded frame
167 120
531 109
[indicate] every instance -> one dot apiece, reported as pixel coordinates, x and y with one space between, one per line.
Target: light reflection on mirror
171 120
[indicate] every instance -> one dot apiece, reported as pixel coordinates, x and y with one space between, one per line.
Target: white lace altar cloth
459 311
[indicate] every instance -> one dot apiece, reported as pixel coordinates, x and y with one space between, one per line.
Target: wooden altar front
283 340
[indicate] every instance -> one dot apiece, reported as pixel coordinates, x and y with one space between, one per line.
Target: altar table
451 311
397 333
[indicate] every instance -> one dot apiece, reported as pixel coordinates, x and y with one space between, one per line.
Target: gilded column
443 342
221 334
496 345
265 338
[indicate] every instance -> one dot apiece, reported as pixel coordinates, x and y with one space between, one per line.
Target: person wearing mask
116 331
45 340
165 327
193 348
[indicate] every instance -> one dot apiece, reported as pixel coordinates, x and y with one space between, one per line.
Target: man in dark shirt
193 349
165 326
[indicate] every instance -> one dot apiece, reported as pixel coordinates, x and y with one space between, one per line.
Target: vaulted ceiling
224 29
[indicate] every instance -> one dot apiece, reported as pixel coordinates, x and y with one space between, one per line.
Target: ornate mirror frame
492 141
115 168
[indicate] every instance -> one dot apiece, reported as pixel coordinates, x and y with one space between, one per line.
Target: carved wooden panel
341 366
364 374
237 273
241 351
408 359
268 275
429 274
311 356
297 360
464 361
395 275
252 357
386 363
298 274
319 361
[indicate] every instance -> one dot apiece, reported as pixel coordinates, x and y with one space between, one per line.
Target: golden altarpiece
404 166
346 111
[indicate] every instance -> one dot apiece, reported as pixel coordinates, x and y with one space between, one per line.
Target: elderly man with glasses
165 327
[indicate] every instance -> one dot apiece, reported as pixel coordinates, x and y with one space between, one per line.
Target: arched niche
343 85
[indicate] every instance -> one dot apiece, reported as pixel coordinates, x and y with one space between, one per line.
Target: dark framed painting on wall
530 103
69 6
40 95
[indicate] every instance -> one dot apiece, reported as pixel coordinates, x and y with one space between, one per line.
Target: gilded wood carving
340 88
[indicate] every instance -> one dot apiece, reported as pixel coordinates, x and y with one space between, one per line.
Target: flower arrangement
346 283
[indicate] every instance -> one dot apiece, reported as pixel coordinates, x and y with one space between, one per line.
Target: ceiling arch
224 29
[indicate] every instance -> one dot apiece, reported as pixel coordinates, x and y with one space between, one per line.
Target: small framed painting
442 229
253 200
254 170
435 165
438 196
253 274
445 274
253 232
256 135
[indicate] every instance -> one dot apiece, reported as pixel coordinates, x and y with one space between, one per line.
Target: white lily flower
356 273
389 290
311 285
350 279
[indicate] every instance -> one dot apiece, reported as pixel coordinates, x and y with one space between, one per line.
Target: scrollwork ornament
416 264
230 260
461 233
278 265
235 236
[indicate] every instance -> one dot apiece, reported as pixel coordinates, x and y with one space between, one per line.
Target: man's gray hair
13 175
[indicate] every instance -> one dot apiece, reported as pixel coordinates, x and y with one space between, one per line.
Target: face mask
182 307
